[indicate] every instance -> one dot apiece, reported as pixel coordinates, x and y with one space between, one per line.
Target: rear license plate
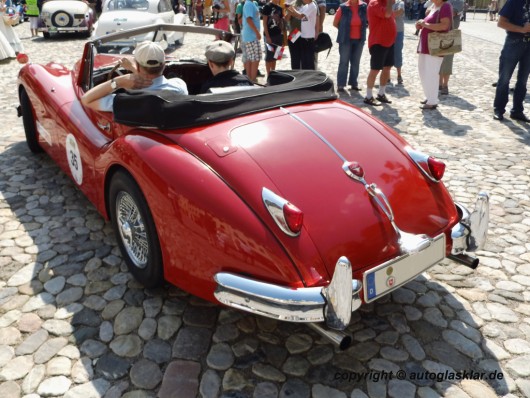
390 275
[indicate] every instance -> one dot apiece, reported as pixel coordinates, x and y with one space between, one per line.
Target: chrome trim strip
408 242
320 136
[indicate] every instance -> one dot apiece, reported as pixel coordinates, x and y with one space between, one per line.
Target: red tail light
293 217
436 167
287 216
431 167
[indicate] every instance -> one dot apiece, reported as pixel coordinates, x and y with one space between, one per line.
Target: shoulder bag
445 43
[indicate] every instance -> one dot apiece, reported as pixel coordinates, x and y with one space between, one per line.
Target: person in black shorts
273 31
220 55
381 46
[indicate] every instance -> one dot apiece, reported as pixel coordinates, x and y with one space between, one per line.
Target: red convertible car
280 200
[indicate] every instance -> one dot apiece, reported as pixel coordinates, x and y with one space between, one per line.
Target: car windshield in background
135 5
192 47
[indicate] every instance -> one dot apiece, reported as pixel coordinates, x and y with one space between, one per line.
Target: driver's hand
127 64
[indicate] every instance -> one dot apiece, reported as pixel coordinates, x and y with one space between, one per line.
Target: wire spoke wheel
135 230
132 229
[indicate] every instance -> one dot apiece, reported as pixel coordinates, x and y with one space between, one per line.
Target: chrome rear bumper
333 304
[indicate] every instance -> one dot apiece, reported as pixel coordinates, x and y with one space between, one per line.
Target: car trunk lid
301 158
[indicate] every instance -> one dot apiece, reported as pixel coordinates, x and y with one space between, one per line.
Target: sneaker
340 88
355 88
497 115
444 90
383 98
260 73
400 80
371 101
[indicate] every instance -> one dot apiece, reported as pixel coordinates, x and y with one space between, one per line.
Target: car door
81 134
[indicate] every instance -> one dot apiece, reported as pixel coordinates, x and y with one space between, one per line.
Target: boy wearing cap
147 73
220 56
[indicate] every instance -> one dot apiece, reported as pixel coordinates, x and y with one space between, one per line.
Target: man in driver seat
220 55
146 74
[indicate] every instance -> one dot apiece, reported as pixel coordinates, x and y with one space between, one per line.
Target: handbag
445 43
323 42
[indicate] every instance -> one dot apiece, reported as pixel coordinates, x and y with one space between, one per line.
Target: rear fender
203 226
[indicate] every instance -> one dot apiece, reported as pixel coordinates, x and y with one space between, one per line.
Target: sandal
371 101
383 98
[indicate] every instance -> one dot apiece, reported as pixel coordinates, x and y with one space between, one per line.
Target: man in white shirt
308 15
147 73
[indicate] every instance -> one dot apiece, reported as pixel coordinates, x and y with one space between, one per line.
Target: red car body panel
203 185
339 216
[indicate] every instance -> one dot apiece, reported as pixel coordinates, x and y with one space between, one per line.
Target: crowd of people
380 23
299 23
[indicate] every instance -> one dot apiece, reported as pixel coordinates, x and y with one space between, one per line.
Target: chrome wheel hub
132 229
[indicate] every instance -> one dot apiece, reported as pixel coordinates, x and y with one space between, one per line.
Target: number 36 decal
74 159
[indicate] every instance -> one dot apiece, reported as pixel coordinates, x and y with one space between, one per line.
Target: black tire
135 230
30 127
46 35
62 19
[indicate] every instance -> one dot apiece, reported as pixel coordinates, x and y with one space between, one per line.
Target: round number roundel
74 158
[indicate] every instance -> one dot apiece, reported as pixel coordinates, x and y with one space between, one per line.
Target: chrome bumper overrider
333 304
469 235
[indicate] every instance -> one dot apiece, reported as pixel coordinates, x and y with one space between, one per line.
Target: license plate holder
394 273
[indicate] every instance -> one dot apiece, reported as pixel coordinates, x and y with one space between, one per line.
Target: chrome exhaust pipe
338 338
465 259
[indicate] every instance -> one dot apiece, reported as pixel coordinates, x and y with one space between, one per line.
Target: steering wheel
115 70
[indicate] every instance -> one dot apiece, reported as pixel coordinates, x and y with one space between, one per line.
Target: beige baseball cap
149 54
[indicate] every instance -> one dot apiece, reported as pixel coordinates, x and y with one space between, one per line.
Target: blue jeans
350 53
398 50
516 50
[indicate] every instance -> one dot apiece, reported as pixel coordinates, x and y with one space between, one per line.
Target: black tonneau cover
164 109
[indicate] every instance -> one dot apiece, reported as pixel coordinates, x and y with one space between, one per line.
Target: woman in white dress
9 35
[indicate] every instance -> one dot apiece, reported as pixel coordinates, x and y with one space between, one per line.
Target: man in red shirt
381 45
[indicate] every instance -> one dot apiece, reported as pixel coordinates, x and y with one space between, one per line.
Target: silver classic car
66 16
119 15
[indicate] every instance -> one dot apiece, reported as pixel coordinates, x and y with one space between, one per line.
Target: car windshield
138 5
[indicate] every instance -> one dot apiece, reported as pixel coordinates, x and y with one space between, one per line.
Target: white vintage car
66 16
121 15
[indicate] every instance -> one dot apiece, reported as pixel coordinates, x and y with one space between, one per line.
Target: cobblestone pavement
73 323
